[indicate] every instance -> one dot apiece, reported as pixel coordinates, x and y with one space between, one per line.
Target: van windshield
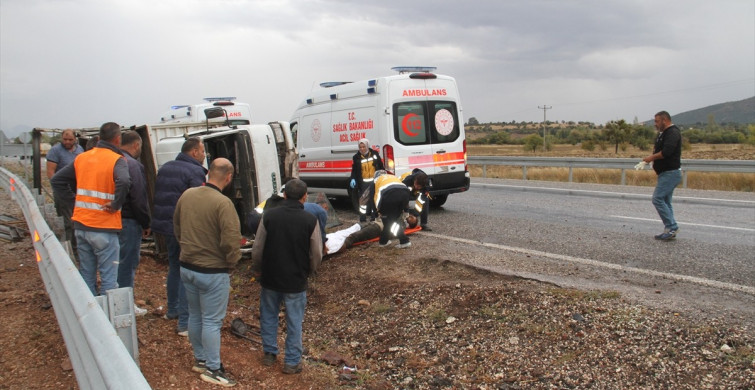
425 122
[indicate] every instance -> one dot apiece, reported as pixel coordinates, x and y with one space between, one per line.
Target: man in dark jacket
667 163
416 181
287 249
135 216
173 178
392 198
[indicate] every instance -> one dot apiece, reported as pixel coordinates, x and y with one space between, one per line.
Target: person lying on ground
359 232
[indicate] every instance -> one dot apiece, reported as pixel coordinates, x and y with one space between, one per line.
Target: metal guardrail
624 164
16 150
98 356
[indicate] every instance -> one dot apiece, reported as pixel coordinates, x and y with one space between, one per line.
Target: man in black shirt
666 160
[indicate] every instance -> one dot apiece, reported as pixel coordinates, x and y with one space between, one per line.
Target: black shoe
268 359
667 236
426 228
218 377
289 369
199 366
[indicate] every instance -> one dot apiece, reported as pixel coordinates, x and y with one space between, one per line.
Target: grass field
696 180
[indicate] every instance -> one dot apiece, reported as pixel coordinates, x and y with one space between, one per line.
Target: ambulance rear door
428 131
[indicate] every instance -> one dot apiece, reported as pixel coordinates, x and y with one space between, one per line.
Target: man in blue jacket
173 178
135 217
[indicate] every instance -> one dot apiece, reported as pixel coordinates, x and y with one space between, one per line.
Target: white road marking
687 223
596 263
624 195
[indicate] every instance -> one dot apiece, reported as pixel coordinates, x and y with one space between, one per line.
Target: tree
617 132
533 142
642 137
712 125
473 121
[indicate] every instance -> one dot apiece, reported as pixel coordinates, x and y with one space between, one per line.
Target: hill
742 112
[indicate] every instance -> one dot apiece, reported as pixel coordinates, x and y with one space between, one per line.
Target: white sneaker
384 245
138 311
402 246
183 333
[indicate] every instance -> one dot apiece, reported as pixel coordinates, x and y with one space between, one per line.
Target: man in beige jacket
207 228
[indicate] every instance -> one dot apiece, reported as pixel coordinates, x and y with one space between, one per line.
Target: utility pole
544 108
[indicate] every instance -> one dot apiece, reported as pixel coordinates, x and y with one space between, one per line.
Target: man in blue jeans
173 178
135 216
207 228
287 250
95 186
667 163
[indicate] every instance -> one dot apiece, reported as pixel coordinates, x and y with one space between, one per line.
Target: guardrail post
684 178
524 172
623 176
571 176
484 170
118 305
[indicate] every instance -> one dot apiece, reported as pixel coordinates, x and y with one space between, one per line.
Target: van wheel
438 201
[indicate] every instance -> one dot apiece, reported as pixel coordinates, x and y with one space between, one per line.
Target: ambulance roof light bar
408 69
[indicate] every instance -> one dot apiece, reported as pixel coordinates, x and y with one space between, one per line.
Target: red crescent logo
405 125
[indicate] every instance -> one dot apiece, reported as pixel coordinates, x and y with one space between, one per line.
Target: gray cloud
83 62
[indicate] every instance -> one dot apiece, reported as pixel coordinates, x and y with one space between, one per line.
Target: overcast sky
79 63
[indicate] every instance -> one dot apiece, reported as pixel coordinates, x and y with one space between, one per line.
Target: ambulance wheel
438 200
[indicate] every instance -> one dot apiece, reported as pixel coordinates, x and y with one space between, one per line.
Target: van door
315 137
265 157
287 156
236 146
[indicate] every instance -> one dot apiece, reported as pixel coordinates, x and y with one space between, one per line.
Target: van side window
409 123
295 132
445 122
425 122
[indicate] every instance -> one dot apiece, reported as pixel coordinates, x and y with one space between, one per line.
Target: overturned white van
414 119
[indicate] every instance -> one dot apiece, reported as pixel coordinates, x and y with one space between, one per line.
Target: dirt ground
393 319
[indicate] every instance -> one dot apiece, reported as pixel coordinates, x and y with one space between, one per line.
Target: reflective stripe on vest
96 188
368 168
419 204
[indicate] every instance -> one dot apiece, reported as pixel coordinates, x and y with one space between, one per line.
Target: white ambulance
238 113
414 119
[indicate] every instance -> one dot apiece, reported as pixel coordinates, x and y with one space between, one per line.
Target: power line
659 93
544 108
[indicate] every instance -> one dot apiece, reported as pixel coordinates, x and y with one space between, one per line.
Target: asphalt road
601 237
